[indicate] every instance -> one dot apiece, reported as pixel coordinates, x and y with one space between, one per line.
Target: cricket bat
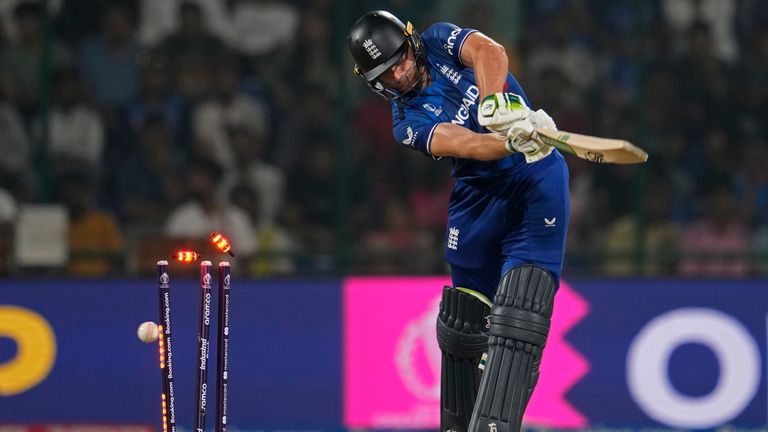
591 148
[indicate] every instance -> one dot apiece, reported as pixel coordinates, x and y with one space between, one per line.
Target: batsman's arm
489 60
456 141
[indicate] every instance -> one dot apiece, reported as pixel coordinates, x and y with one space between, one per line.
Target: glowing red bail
187 256
222 243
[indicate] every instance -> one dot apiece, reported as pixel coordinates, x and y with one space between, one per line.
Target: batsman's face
403 74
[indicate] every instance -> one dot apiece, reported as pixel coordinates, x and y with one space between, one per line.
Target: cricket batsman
453 97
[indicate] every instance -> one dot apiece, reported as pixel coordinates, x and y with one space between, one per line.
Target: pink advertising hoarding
392 361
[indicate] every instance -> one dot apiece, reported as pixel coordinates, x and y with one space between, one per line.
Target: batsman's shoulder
412 112
439 30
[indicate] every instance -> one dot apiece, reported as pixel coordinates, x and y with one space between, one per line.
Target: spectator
95 241
709 87
717 244
312 185
15 145
193 83
313 57
264 27
717 159
254 171
150 180
276 245
192 39
156 95
394 246
229 108
427 197
718 14
204 213
649 233
752 84
75 130
298 123
110 58
22 69
567 48
161 18
754 180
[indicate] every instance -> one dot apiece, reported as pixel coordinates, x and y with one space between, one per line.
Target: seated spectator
204 212
684 15
264 27
192 39
577 61
312 57
393 243
229 108
253 170
707 89
276 246
156 95
15 145
312 185
149 181
193 83
21 71
75 130
95 241
716 244
108 61
161 18
299 123
428 196
651 234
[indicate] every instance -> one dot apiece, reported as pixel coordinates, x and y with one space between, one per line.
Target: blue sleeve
415 131
448 38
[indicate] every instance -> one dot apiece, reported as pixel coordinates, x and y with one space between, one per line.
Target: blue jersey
451 97
503 213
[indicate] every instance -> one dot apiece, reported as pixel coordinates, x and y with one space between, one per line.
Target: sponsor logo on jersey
550 222
469 99
411 139
451 41
434 109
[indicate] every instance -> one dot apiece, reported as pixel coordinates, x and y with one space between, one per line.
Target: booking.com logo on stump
633 353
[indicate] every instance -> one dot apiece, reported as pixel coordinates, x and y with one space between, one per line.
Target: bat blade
591 148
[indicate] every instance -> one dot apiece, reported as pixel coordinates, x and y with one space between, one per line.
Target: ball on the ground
147 332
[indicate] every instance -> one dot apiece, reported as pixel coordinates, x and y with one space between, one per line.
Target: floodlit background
131 129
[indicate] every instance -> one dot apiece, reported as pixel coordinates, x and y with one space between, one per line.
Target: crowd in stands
157 122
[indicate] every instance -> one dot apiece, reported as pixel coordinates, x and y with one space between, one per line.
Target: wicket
222 349
203 331
203 348
164 345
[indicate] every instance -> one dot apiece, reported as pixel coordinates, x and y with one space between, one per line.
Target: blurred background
130 129
135 121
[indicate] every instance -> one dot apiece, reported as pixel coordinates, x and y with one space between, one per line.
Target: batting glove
541 119
499 111
521 139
